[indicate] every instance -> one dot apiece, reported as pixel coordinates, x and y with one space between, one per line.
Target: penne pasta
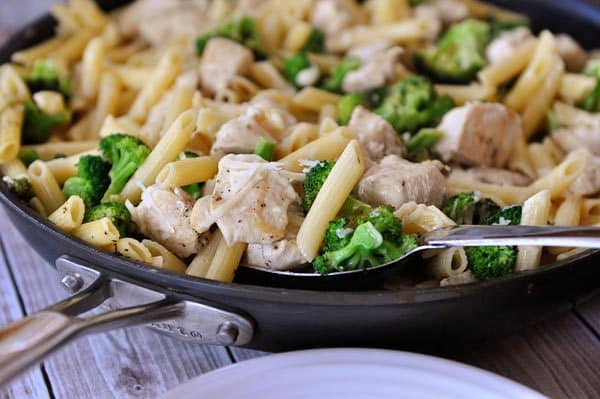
226 261
202 261
168 260
536 211
11 123
69 215
45 186
187 171
99 233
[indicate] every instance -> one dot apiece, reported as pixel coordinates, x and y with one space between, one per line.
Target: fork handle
549 236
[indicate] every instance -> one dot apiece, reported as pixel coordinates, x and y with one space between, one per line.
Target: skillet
265 312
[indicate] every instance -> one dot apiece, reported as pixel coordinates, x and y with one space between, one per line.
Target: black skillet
252 311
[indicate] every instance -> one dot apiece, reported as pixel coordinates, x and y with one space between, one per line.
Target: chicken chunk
578 136
479 134
164 216
447 12
395 181
505 45
588 183
492 176
280 255
366 52
159 20
240 135
332 16
378 72
223 59
249 203
375 135
571 52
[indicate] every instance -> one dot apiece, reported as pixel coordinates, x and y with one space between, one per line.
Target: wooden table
559 357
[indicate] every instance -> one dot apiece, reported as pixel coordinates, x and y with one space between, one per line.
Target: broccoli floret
336 79
29 156
265 149
354 208
21 187
412 104
315 43
507 216
346 106
459 54
423 140
116 212
39 126
313 181
337 235
491 262
591 102
466 208
45 76
194 190
294 65
358 253
91 180
242 30
385 222
126 154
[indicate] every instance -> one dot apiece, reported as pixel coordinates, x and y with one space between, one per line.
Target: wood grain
559 357
32 383
132 363
589 309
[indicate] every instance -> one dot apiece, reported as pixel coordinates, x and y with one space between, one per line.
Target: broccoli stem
265 149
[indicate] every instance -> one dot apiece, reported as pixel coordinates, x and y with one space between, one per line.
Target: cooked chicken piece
578 136
378 72
375 135
249 202
223 59
164 216
240 135
571 52
588 183
366 52
332 16
492 176
395 181
280 255
159 20
447 12
505 45
479 134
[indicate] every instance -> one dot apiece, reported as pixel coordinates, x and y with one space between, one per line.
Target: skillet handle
27 342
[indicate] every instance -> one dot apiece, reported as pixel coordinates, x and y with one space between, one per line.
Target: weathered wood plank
559 357
589 309
132 363
32 383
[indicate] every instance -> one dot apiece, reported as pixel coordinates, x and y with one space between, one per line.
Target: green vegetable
491 262
510 215
466 208
29 156
459 54
354 208
194 190
242 30
91 180
412 104
336 79
315 42
21 187
126 154
313 181
346 106
294 65
423 140
45 76
591 102
116 212
264 149
337 235
38 126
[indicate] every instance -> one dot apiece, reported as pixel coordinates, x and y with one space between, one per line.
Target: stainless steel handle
551 236
26 342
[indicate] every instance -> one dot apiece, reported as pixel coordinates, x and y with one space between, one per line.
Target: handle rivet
227 333
71 281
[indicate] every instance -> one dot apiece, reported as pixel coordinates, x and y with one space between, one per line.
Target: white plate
350 374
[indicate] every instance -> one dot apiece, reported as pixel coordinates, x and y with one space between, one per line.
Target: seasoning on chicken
332 16
240 135
571 52
479 134
249 202
222 60
377 72
375 135
395 181
504 46
280 255
164 216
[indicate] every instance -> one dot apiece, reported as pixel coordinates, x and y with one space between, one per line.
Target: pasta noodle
536 211
225 262
448 263
69 215
11 122
45 186
99 233
133 249
202 261
187 171
169 260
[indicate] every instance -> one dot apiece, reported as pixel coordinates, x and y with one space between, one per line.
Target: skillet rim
181 285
